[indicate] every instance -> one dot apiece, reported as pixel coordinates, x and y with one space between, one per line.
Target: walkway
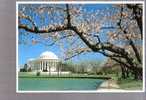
110 86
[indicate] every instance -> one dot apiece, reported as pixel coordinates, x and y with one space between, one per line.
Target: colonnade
47 65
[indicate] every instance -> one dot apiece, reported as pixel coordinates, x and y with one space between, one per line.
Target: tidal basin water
58 84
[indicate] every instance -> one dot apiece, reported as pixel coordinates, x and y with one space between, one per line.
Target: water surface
44 84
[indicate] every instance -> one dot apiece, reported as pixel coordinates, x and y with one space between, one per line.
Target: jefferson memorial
46 62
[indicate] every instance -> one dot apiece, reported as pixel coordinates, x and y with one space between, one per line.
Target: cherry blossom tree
115 31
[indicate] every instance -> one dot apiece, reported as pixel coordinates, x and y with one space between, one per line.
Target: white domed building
46 62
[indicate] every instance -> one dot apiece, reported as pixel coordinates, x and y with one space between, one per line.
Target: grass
129 84
29 75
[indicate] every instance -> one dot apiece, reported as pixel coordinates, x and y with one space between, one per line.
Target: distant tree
38 74
112 67
29 69
81 67
68 66
22 70
25 67
95 66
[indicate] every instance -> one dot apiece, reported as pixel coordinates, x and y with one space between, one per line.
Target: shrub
38 74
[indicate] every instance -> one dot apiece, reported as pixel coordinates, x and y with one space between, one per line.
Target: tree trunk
138 75
127 72
123 72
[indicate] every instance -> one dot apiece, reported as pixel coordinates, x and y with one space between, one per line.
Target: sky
26 52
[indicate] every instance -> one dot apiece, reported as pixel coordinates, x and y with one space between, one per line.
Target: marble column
52 64
45 65
55 65
42 65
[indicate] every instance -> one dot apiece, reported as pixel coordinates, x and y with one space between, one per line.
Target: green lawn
27 74
127 84
130 84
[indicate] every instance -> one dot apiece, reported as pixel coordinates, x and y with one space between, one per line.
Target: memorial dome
48 55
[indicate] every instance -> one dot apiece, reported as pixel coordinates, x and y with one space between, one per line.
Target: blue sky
26 52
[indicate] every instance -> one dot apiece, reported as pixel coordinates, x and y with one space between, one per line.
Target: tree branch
61 38
68 16
129 39
113 57
137 12
22 16
78 52
48 30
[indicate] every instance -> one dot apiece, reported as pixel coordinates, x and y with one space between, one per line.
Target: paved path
110 85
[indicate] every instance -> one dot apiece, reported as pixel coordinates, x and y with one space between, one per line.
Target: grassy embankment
127 84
